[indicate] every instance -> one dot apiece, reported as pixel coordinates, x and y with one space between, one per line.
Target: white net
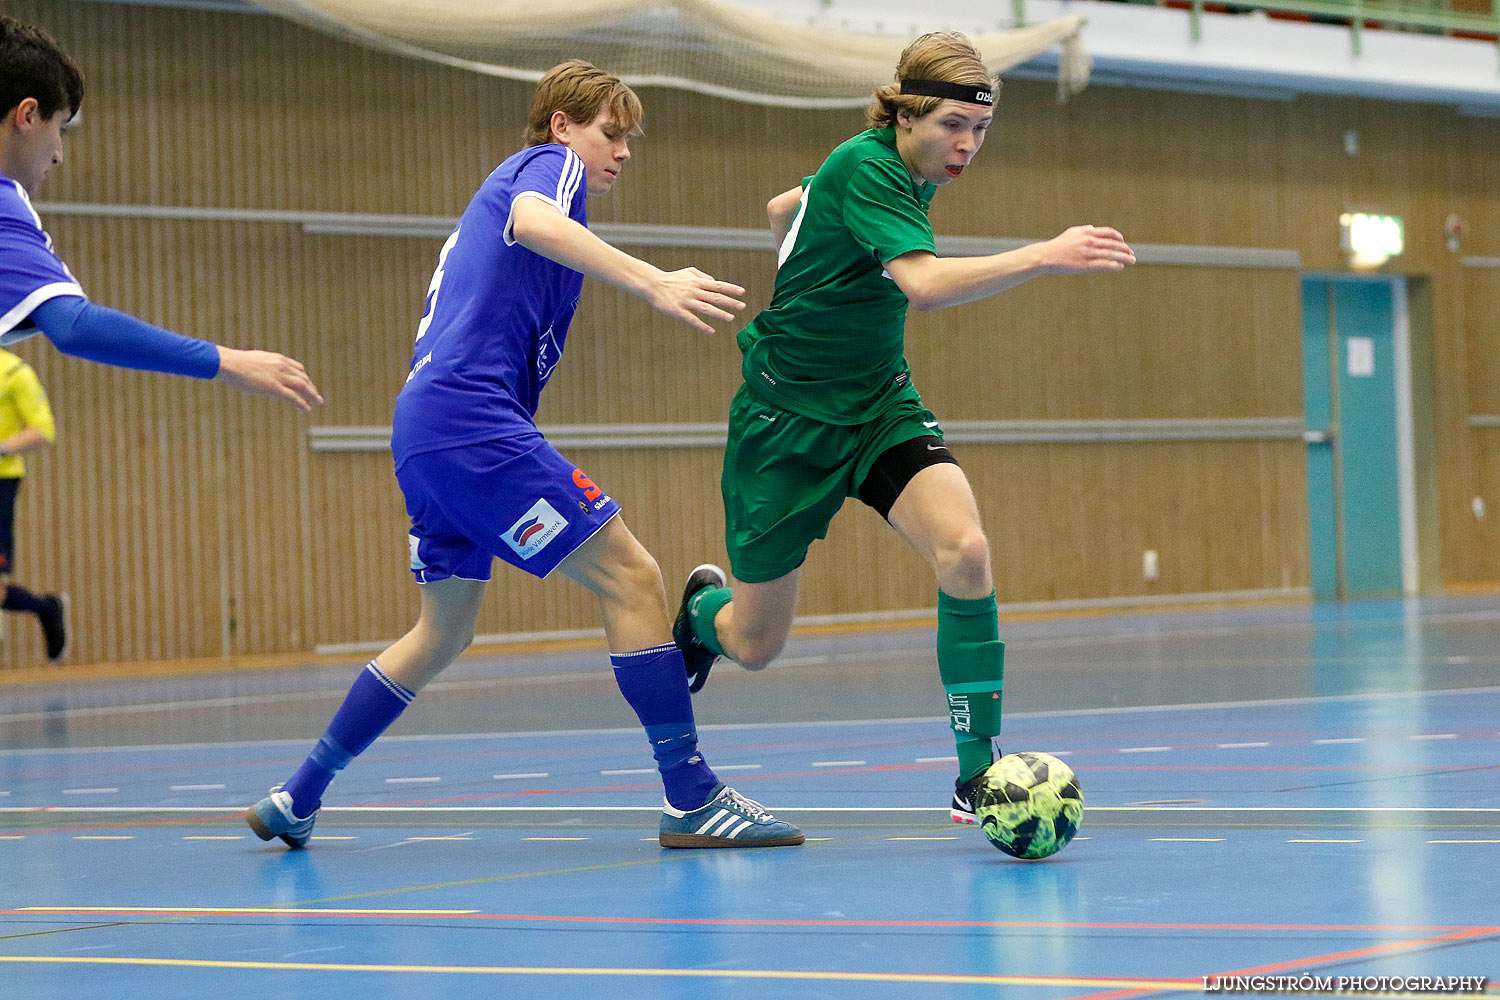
709 46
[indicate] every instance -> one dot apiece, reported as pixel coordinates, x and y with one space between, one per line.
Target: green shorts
786 475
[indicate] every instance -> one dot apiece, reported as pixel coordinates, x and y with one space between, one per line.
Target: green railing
1433 16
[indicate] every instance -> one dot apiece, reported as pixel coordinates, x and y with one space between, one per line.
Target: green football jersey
829 346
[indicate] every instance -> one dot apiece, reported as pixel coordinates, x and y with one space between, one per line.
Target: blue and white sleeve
555 175
30 273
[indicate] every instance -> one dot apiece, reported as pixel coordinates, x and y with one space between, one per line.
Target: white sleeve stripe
562 177
26 200
508 233
574 175
27 305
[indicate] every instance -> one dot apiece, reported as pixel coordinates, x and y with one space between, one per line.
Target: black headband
968 93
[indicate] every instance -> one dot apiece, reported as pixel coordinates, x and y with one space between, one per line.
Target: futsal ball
1029 805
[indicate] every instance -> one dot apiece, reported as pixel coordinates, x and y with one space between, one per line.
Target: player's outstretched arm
81 329
932 282
689 294
782 211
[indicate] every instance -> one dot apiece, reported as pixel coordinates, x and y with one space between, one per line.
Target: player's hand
1082 249
690 295
266 373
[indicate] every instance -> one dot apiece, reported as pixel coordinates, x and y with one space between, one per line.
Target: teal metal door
1353 479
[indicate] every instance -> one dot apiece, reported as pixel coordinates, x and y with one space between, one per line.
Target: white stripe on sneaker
714 819
738 830
729 821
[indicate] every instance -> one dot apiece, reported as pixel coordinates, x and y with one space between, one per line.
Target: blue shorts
514 498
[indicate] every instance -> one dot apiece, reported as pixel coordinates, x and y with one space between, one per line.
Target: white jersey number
437 283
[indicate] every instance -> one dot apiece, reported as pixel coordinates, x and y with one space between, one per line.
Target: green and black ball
1029 805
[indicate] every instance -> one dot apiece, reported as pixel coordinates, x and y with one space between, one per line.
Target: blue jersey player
40 93
482 482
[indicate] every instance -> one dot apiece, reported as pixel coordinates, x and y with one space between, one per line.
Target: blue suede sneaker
728 820
272 816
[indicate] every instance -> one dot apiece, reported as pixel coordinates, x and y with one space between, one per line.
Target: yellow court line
439 838
103 838
1189 840
921 838
213 838
334 838
11 837
1464 841
1312 841
521 970
561 838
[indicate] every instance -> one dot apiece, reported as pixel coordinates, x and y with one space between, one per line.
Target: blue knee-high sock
373 703
654 681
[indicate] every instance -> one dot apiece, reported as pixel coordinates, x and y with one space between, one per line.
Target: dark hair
32 65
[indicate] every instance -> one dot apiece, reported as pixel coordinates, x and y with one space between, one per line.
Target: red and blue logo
524 533
535 529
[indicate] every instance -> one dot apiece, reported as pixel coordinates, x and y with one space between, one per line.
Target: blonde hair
580 90
948 56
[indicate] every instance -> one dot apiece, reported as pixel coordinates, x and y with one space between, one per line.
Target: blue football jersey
30 273
497 314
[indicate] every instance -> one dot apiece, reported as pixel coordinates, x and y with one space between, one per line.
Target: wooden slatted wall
187 521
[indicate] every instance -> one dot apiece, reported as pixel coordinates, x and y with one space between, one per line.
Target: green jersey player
828 410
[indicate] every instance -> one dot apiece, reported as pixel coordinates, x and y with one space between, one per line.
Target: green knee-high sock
702 609
971 662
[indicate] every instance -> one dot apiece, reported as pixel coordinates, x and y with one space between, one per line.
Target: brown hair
580 90
948 56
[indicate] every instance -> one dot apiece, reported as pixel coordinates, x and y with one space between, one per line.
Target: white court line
1434 736
937 760
508 777
410 781
1346 739
549 734
197 788
737 767
90 791
630 770
839 763
251 910
1237 746
1143 749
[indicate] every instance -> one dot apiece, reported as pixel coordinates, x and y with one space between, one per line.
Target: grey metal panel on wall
709 435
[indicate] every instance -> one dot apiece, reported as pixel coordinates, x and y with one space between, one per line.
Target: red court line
1457 930
1342 956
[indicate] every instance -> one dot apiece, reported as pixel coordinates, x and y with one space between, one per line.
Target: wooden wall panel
187 521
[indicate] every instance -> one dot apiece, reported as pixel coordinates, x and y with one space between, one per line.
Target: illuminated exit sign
1371 239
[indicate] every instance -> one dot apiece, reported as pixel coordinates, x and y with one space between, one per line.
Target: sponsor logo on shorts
583 482
535 529
417 564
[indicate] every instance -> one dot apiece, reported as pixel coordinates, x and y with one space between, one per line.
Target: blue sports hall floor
1291 790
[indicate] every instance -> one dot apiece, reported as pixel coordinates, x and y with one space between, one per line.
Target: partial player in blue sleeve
481 482
40 93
